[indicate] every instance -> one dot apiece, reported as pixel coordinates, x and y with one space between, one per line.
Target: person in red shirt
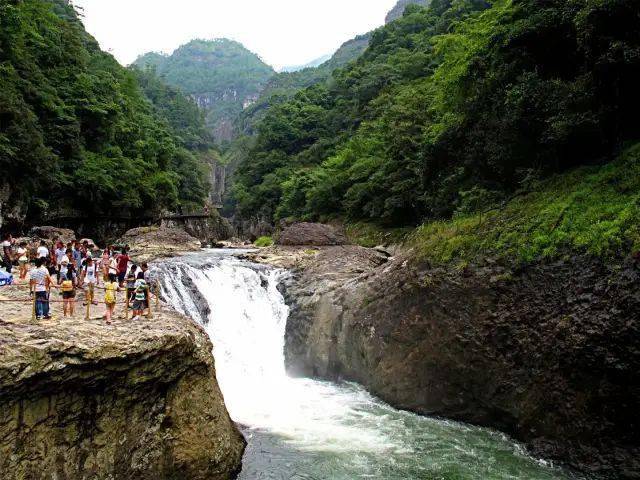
123 265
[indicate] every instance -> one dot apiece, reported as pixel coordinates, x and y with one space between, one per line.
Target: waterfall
311 428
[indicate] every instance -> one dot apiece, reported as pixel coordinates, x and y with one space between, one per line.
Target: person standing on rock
77 255
140 296
89 279
23 260
40 282
106 258
43 251
68 294
60 253
6 253
110 289
123 265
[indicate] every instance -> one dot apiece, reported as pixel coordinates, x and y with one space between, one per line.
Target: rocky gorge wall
136 400
548 353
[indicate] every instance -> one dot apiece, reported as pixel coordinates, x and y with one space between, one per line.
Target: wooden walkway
177 216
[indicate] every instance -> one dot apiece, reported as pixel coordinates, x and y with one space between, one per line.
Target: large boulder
80 399
53 234
316 234
148 243
547 352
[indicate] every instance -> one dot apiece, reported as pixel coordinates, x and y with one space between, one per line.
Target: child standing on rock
110 289
68 293
140 298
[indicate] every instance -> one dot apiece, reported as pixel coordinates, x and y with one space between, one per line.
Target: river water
310 429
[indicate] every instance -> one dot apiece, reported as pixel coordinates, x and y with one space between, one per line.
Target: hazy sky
282 32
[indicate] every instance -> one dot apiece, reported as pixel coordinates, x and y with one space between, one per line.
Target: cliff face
136 400
548 353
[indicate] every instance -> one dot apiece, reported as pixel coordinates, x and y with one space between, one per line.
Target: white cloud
282 32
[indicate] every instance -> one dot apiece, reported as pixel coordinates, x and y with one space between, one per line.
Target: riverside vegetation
454 110
79 134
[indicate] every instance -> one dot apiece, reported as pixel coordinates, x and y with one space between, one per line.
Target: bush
595 210
263 242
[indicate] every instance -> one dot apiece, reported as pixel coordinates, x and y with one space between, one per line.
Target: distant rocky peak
397 11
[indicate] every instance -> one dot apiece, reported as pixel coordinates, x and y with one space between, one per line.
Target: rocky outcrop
147 243
397 11
548 352
65 235
209 230
136 400
316 234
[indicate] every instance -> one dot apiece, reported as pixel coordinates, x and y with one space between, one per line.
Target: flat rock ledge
150 243
80 399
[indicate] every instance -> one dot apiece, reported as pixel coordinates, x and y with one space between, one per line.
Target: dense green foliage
263 242
282 86
187 124
76 132
221 73
451 109
592 209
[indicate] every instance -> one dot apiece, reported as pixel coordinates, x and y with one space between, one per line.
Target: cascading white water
304 428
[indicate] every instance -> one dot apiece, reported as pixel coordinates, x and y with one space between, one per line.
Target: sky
281 32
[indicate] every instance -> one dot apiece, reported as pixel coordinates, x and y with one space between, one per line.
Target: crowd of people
78 266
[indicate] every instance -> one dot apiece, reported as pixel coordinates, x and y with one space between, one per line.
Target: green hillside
592 209
221 75
77 134
451 110
284 85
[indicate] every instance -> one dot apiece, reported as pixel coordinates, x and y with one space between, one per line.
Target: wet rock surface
548 352
137 400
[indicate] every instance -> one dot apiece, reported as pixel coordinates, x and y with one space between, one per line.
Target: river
310 429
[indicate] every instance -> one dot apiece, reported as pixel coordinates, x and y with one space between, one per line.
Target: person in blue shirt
77 256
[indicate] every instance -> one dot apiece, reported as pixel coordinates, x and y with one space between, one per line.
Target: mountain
286 84
452 109
397 11
279 89
77 134
313 63
222 76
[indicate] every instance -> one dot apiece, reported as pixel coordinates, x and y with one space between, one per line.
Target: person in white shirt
43 251
89 278
40 282
60 253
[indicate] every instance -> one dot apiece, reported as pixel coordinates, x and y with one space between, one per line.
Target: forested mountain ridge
450 110
284 85
280 88
77 134
221 75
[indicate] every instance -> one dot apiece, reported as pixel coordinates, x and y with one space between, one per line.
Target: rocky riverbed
547 352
